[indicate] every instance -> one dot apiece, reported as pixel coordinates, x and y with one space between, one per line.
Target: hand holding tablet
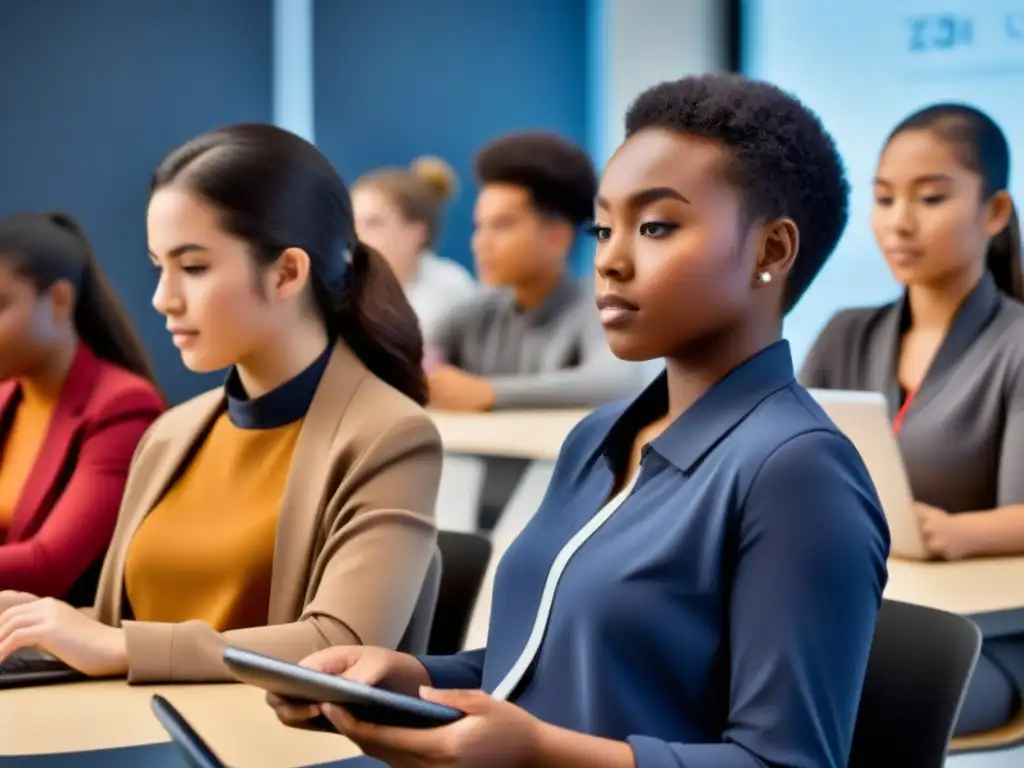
397 706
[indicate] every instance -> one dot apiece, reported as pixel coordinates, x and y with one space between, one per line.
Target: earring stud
764 277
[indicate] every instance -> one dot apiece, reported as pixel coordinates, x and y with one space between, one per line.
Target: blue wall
93 93
395 79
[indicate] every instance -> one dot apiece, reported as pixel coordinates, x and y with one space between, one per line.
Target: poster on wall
864 66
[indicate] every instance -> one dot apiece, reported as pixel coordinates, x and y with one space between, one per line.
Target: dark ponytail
276 191
1004 259
375 319
47 248
981 146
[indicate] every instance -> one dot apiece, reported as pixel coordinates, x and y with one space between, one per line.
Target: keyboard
31 667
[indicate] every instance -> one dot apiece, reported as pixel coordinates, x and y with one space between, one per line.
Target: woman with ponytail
949 355
398 213
76 394
292 508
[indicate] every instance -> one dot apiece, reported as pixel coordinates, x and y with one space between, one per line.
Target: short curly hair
557 173
784 162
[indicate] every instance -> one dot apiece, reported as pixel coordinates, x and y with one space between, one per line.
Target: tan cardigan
354 540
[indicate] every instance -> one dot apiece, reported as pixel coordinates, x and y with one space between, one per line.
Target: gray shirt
437 285
551 356
962 436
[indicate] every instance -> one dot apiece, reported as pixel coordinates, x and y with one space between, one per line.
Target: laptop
27 667
864 418
194 750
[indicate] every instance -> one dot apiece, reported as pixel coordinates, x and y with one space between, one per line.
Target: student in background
701 583
76 395
398 213
537 342
291 509
949 354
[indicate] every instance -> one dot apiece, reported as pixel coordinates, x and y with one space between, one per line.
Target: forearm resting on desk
191 651
997 531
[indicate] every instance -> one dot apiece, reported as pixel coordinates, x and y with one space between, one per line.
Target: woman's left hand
944 535
493 734
55 627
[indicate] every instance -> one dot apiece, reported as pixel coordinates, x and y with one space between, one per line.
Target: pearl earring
764 277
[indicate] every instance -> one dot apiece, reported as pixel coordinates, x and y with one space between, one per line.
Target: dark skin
37 335
671 242
933 223
38 342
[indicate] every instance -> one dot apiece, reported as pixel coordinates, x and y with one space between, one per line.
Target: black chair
464 558
417 634
921 662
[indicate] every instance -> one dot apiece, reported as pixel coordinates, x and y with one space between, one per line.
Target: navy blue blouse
723 614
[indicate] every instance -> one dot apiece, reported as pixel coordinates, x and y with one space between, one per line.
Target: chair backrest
417 634
465 557
920 664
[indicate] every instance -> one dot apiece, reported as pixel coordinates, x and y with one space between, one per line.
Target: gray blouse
962 435
551 356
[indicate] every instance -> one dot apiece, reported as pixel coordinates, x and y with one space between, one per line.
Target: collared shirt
553 355
962 435
723 613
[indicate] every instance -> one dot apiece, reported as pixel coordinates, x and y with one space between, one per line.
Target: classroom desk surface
535 434
969 587
233 719
242 730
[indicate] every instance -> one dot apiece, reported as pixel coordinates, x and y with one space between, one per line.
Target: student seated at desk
398 213
76 394
536 342
291 509
949 355
701 585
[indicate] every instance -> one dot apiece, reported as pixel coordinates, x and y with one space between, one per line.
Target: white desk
469 438
969 587
233 719
976 588
535 434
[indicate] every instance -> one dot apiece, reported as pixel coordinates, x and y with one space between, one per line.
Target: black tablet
369 704
195 751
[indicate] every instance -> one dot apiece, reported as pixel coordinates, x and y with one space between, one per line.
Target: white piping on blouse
512 678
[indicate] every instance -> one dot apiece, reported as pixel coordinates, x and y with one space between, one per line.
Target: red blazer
65 516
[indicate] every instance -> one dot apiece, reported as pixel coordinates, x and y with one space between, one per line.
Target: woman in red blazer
76 395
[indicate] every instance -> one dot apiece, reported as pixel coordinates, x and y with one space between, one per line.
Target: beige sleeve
367 576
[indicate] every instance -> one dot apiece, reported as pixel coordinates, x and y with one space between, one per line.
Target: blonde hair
420 191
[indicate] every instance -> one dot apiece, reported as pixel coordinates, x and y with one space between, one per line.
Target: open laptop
864 418
27 667
194 750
